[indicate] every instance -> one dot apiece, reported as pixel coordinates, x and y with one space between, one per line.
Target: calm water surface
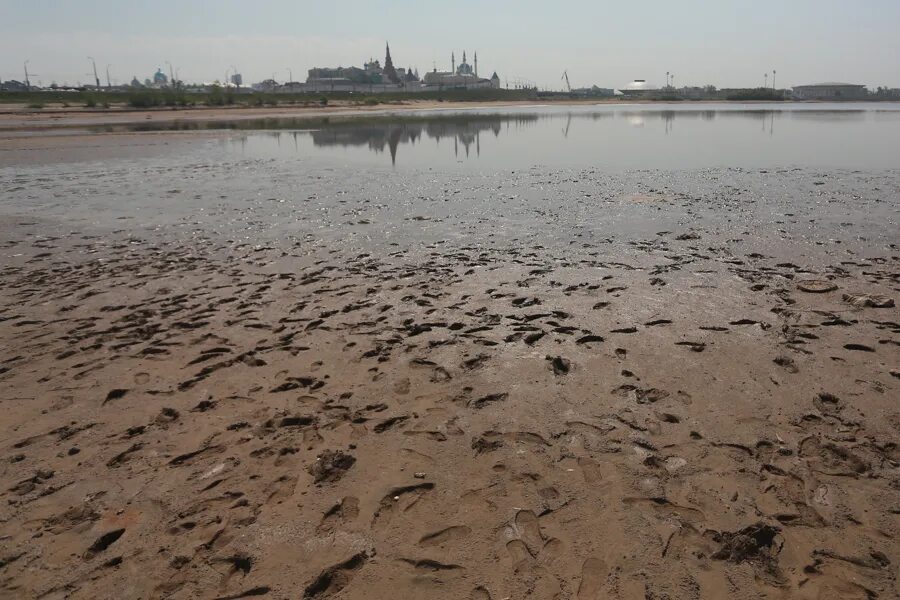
670 136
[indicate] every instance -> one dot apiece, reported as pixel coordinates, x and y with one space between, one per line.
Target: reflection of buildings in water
376 137
465 133
466 130
668 117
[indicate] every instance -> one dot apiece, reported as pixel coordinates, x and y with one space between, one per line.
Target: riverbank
249 379
22 118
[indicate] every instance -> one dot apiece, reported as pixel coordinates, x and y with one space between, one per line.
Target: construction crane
566 77
96 77
27 79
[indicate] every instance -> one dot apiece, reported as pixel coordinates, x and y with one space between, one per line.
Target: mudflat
259 379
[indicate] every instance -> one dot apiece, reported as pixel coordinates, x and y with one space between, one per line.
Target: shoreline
24 119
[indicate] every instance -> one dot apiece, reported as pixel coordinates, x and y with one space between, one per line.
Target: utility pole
96 77
27 81
667 79
766 85
773 79
108 82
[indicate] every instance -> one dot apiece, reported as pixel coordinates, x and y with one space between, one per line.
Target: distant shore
20 117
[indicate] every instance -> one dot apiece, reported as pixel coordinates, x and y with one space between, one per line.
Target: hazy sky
728 43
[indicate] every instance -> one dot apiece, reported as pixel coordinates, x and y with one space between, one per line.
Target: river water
641 136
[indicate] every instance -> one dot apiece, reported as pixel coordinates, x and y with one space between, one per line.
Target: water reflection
465 133
630 136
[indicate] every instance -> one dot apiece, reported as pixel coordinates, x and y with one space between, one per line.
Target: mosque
387 76
462 76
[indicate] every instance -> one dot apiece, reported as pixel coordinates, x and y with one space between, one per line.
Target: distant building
886 93
237 79
831 91
13 86
371 74
463 76
594 91
639 88
268 85
389 73
160 79
135 82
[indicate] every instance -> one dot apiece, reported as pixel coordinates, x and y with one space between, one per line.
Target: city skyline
699 41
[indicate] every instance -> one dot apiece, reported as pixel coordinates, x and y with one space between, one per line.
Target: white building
831 91
640 88
464 76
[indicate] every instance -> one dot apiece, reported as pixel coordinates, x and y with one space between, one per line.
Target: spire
464 57
476 63
389 71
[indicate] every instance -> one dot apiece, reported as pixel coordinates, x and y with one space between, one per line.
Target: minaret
476 64
453 62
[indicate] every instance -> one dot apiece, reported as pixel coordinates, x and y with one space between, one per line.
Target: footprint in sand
518 552
480 593
593 575
530 547
445 536
340 514
529 530
590 469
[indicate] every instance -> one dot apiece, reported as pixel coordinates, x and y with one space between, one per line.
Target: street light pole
108 82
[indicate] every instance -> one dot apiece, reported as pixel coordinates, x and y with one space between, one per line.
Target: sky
726 43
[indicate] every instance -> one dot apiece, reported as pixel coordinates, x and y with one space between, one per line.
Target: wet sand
21 118
15 118
661 386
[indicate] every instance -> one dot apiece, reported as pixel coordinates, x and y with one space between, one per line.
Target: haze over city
702 42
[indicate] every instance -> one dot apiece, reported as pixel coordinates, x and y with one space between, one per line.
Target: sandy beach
265 379
20 117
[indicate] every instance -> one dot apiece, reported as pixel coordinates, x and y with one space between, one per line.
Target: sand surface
664 387
15 118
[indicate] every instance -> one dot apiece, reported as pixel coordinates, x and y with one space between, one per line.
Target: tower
453 62
390 73
476 64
